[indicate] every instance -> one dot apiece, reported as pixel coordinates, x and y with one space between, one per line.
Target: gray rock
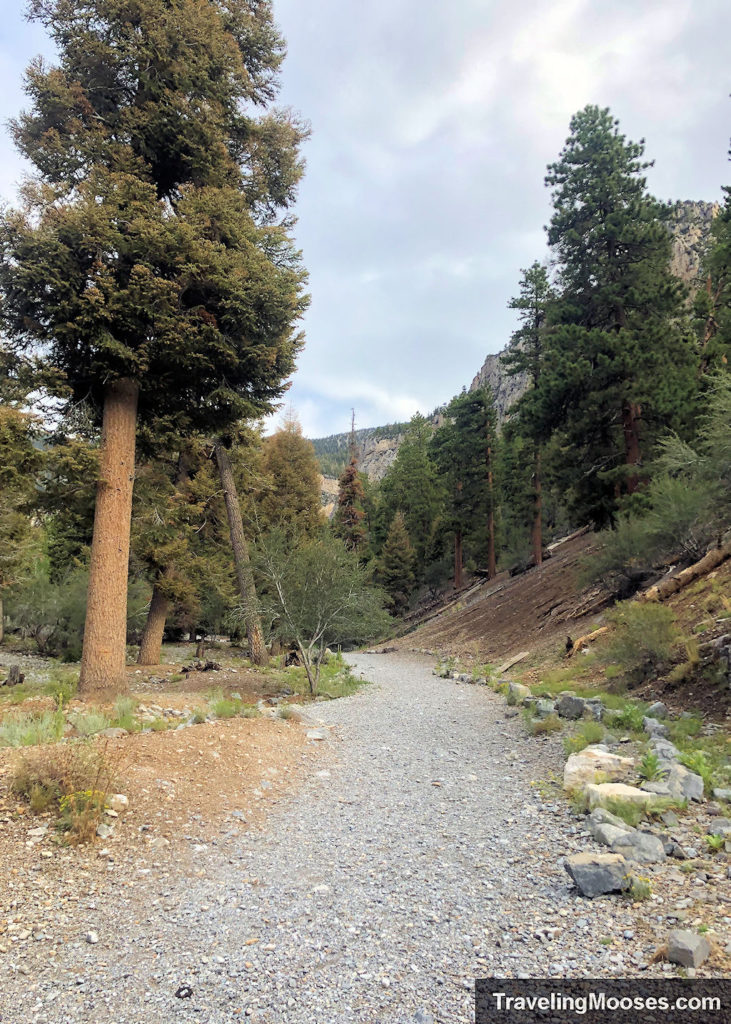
608 835
104 831
517 693
641 847
92 937
595 706
543 707
316 734
655 728
597 874
720 827
722 794
664 749
679 784
114 733
670 819
687 948
571 708
601 816
423 1016
657 710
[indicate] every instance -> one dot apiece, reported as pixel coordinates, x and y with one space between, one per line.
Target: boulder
720 827
517 693
570 707
582 768
608 835
595 707
655 728
688 948
600 794
722 794
543 708
595 874
657 710
118 803
679 784
642 847
664 749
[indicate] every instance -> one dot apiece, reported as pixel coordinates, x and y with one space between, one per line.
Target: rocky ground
423 848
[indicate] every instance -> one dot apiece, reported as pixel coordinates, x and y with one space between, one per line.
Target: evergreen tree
618 367
526 355
412 487
396 566
349 518
291 494
146 263
713 301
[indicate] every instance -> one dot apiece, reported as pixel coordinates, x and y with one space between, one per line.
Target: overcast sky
432 124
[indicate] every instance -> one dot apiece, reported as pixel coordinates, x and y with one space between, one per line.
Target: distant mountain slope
377 447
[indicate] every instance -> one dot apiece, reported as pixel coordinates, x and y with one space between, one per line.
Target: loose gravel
419 855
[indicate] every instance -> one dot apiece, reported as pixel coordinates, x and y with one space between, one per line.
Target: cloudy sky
432 124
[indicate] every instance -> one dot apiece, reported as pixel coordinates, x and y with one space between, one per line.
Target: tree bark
630 417
457 559
151 643
244 573
537 531
491 563
2 619
666 588
105 630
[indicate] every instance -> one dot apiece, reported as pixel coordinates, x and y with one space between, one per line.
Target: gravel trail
417 857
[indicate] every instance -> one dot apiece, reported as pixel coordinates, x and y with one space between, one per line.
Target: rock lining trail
415 858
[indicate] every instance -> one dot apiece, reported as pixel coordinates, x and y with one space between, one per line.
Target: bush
73 778
27 730
628 717
649 766
587 733
89 722
643 636
543 726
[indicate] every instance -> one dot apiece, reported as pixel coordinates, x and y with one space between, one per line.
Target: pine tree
526 355
146 262
349 518
713 301
618 367
291 496
396 566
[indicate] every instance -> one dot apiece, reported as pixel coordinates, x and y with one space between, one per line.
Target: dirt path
416 857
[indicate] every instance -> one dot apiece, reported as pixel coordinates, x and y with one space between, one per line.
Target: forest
152 292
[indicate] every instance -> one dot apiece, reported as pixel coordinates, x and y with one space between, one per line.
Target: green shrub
715 843
226 708
89 722
697 761
543 726
643 635
587 734
629 812
30 729
649 766
627 717
639 889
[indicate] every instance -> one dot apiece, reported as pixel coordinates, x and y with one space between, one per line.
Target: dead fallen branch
584 640
666 588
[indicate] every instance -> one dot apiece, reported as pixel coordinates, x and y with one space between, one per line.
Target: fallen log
666 588
587 639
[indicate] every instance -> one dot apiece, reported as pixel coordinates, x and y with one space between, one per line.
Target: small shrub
249 711
73 778
639 889
628 717
90 722
544 726
588 733
649 766
285 711
630 813
198 717
684 728
697 762
643 636
226 708
159 725
175 677
715 843
579 801
28 730
63 688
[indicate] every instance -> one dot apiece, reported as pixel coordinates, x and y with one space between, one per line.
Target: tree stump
15 676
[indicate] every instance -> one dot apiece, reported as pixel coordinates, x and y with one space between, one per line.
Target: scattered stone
543 707
114 733
118 802
720 827
687 948
655 728
657 710
92 938
670 819
582 768
104 831
680 783
570 707
316 734
722 794
596 707
664 749
597 874
517 693
599 794
642 847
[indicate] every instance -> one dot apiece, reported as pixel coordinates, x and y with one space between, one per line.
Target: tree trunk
458 560
2 619
151 644
537 532
244 574
630 417
491 563
105 629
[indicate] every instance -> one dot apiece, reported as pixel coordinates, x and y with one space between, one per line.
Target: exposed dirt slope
495 619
